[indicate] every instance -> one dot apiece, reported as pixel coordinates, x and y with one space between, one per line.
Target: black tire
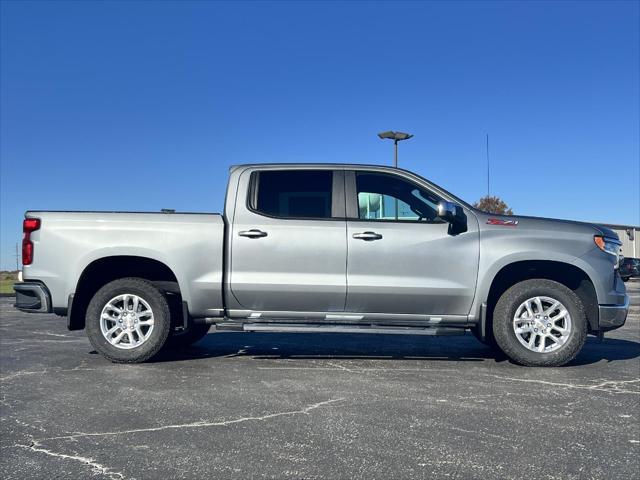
505 311
180 338
161 326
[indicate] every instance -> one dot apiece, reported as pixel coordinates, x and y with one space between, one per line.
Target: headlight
609 246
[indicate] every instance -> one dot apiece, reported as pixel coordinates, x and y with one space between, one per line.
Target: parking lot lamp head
396 137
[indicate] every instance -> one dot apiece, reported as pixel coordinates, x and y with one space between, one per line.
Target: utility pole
488 190
17 258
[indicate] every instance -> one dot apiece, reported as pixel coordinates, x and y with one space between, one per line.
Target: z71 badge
504 223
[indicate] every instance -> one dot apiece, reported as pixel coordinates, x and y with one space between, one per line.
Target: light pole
396 137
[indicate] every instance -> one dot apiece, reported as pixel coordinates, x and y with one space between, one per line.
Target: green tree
492 204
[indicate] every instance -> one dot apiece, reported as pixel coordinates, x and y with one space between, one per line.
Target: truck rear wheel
540 323
128 320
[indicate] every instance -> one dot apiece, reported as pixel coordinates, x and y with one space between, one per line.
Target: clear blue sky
142 106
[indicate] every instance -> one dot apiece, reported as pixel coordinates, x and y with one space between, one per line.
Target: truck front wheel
128 320
540 323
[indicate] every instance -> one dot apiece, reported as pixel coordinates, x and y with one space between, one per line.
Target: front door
288 243
401 257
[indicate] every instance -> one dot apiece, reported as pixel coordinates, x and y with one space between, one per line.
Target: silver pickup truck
325 248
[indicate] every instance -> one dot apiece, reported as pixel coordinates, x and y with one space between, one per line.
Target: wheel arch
106 269
567 274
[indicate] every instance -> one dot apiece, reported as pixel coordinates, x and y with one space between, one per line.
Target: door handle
253 233
367 236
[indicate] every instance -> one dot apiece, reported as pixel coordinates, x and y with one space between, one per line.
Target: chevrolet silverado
325 248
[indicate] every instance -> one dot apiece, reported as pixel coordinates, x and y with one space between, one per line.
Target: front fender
488 272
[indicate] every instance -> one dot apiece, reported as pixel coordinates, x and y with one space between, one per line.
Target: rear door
401 257
288 241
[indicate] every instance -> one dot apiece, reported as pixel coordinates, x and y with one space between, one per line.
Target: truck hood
543 223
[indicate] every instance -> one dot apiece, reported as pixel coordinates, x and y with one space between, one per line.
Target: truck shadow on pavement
375 347
610 349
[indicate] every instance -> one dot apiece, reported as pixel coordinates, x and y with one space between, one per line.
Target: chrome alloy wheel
126 321
542 324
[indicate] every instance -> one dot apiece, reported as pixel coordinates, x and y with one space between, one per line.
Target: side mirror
454 215
447 211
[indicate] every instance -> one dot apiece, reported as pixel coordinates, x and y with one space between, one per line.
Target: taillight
28 225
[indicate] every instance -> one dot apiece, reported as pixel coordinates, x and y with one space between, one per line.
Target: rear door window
293 193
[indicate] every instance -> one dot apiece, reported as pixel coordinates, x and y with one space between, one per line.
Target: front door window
387 197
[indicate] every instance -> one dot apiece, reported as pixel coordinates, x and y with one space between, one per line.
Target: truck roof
345 166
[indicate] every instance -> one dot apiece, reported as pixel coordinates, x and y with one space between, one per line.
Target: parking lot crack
304 411
20 374
79 368
482 434
49 334
611 386
96 467
342 367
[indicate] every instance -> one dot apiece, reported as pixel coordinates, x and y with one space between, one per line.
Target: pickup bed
325 248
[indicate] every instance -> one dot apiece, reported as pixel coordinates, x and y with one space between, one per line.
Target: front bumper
613 316
32 297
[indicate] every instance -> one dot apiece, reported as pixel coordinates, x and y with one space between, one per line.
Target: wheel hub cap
542 324
126 321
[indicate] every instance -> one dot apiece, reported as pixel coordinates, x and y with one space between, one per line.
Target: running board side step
306 328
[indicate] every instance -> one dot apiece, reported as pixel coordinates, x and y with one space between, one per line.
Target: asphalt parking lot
297 406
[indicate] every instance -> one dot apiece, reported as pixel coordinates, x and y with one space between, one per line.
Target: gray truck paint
69 242
311 270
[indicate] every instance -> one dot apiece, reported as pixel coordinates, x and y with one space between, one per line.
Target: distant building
629 237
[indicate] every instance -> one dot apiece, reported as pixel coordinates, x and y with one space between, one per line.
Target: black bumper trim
32 297
613 316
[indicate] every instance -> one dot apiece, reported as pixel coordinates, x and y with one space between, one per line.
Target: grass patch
7 279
